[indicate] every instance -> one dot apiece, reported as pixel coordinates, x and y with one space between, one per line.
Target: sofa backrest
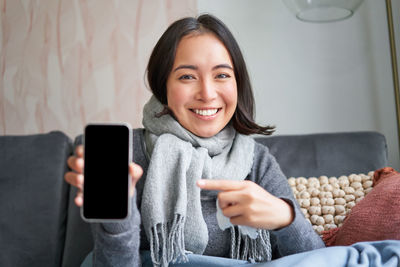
33 199
330 154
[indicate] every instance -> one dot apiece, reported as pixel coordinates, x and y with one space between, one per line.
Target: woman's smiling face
201 88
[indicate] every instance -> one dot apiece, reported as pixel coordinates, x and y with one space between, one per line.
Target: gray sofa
41 226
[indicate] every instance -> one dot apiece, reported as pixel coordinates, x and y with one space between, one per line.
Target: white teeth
205 112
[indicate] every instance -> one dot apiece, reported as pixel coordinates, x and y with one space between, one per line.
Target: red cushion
376 217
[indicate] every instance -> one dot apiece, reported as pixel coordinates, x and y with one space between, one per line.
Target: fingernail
80 162
80 179
201 182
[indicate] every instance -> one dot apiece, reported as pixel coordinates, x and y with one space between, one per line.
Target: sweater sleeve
299 236
117 244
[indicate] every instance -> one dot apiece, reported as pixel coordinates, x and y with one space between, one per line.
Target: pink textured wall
65 63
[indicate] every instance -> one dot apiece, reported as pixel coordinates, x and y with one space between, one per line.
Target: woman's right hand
75 177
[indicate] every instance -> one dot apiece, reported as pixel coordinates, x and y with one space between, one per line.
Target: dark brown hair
163 56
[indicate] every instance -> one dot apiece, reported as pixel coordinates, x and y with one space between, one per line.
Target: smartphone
107 154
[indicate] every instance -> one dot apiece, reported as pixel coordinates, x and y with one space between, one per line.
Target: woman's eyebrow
222 66
192 67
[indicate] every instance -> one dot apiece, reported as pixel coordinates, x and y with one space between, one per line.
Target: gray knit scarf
171 202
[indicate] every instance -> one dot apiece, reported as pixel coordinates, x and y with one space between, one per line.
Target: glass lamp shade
322 10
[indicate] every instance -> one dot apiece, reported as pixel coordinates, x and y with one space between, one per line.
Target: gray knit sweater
118 244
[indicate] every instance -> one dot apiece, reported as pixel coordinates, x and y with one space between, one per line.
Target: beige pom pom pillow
325 202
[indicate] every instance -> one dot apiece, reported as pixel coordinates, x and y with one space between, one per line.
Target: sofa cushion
33 198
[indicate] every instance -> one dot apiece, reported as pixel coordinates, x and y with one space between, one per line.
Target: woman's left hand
247 203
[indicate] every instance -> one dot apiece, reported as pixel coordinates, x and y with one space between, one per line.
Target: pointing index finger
220 185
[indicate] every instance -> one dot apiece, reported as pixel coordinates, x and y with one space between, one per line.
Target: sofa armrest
33 198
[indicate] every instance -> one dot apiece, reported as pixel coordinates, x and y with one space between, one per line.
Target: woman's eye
222 76
186 77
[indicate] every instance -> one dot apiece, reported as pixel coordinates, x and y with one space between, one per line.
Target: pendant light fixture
322 10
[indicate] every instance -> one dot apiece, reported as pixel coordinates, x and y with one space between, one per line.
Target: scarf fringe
252 250
167 242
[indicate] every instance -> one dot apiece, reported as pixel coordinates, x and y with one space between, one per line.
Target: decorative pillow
376 217
326 201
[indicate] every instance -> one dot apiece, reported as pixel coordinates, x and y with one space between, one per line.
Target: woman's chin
205 133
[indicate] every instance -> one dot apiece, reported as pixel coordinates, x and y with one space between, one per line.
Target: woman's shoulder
139 146
138 131
261 152
265 166
138 136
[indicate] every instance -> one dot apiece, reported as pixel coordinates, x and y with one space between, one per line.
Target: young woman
203 186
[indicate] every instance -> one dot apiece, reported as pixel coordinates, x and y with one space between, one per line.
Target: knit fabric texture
376 217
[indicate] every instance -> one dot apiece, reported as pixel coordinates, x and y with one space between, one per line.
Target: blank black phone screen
106 170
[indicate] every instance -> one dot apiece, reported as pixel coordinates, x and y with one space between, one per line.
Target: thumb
136 173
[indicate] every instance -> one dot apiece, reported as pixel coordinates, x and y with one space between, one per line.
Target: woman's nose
207 91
